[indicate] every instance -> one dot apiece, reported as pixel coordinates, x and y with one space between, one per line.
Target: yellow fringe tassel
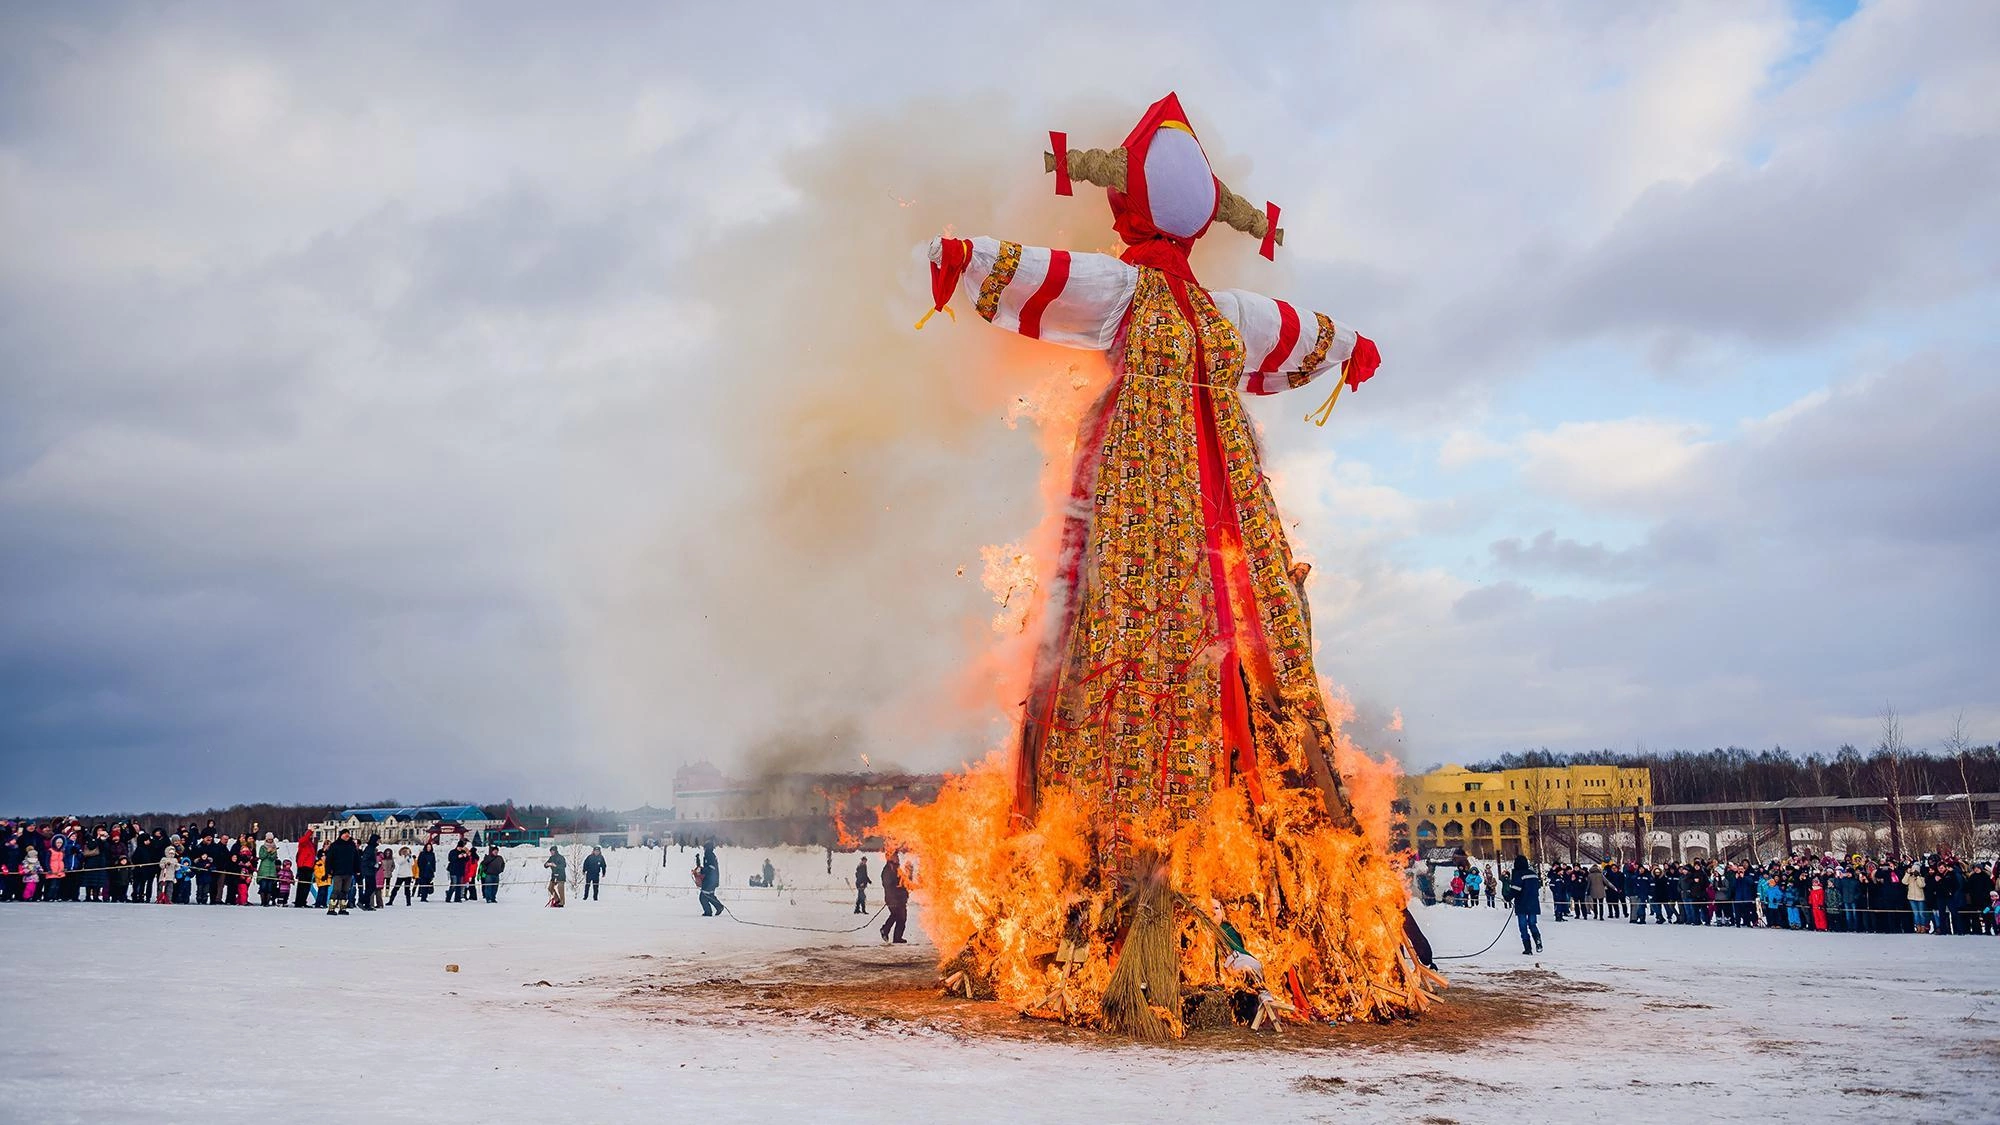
926 319
1325 411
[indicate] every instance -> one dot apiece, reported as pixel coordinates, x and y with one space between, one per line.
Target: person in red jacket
1818 900
308 855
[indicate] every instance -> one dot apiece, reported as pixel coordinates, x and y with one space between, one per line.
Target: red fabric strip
956 255
1059 144
1051 288
1270 247
1360 367
1288 338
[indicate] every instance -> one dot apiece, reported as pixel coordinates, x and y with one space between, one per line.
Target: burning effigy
1176 841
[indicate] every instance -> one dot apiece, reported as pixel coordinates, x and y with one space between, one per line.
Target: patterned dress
1182 651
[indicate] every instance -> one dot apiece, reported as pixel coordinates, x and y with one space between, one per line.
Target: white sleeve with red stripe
1281 341
1061 296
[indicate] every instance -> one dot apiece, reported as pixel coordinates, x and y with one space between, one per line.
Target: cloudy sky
496 401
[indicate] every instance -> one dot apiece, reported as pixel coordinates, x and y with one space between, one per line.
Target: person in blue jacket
1527 887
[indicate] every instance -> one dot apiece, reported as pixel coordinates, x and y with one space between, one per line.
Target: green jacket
267 862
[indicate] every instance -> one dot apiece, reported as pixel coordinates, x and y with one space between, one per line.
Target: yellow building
1491 815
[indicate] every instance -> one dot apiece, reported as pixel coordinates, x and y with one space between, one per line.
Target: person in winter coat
1919 888
170 865
427 869
861 882
593 871
343 860
267 870
303 860
406 877
454 870
558 875
1816 898
489 873
96 857
1527 904
1978 894
465 870
1596 887
371 873
896 897
322 883
1638 891
31 874
711 878
284 882
368 861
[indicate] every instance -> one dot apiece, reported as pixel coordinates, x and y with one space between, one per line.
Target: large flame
1032 913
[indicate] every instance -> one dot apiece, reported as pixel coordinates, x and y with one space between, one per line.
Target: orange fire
1033 915
1319 907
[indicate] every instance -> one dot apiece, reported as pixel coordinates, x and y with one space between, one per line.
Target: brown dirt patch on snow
877 991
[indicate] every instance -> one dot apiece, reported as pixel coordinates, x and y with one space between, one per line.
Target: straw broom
1147 979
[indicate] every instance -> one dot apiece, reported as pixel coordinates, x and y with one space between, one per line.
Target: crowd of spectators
68 861
1935 894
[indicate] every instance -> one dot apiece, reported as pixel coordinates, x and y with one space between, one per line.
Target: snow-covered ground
650 1011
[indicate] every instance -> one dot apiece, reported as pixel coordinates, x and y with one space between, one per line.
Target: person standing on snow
1527 887
267 870
711 878
861 882
489 873
896 897
558 875
343 859
454 866
406 877
307 856
593 872
472 864
427 869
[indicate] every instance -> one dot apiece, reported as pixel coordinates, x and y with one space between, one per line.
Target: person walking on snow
711 878
1527 888
861 882
896 897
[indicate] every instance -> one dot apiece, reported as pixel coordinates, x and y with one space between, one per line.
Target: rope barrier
1489 945
727 909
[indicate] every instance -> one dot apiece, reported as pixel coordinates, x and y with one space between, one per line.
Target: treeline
290 820
1686 777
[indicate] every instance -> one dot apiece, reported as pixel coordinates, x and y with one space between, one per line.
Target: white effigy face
1180 188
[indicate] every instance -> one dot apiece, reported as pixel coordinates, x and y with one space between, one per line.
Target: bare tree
1959 747
1891 764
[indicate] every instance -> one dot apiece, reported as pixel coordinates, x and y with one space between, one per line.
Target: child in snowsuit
285 881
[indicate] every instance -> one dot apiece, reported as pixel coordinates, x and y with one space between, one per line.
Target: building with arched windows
1493 815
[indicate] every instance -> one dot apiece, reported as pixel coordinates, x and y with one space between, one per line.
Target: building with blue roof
413 824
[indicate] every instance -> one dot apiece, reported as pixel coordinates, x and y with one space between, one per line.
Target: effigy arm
1286 347
1062 296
